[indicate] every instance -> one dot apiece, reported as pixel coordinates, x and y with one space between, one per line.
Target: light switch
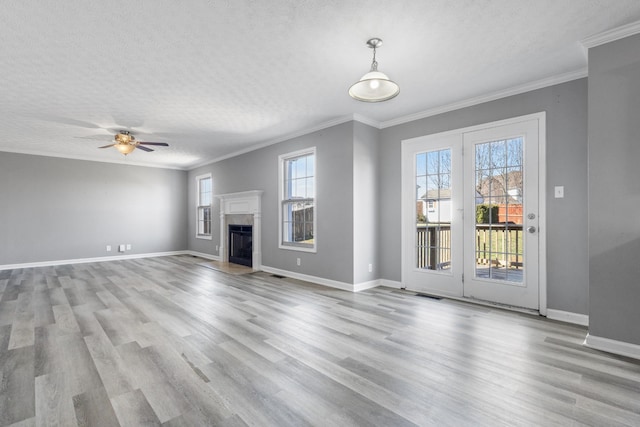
558 191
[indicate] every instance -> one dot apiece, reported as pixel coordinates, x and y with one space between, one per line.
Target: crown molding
287 137
516 90
611 35
366 120
527 87
90 159
538 84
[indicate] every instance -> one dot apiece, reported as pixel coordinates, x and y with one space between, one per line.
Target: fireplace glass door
241 244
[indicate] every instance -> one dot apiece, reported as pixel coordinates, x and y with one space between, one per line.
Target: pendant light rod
374 44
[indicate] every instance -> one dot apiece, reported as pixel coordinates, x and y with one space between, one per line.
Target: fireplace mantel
242 203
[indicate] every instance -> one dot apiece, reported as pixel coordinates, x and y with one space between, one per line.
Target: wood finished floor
227 267
162 341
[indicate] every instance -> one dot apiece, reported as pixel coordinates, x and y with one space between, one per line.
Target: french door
471 212
433 214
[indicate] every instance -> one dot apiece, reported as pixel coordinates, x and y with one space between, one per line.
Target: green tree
486 213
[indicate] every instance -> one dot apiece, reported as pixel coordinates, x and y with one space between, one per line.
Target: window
298 201
433 183
203 206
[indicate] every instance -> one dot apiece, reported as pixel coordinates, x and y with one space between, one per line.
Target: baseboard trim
321 280
87 260
391 283
363 286
204 255
313 279
613 346
567 316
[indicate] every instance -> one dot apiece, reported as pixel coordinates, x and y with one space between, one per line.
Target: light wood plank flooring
163 341
227 267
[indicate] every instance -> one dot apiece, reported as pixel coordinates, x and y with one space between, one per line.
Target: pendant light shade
374 86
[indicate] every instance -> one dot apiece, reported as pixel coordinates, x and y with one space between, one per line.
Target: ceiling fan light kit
125 148
124 137
125 143
375 86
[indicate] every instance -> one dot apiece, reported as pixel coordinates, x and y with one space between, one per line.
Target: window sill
204 237
298 248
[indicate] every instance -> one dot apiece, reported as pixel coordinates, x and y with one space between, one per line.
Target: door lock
531 229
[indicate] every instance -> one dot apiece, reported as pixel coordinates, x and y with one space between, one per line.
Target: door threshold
435 295
500 305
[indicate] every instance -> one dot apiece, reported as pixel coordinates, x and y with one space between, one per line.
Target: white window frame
199 207
302 247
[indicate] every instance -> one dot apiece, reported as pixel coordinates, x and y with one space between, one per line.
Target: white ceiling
218 77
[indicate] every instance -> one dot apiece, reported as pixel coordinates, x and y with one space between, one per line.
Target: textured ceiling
217 77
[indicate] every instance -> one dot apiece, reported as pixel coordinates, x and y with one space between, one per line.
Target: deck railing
498 244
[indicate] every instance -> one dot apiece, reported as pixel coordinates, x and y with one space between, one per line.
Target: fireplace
241 244
242 209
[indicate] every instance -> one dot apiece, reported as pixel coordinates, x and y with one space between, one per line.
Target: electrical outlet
298 261
129 246
370 268
108 248
121 248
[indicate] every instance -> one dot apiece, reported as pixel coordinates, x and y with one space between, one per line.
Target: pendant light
374 86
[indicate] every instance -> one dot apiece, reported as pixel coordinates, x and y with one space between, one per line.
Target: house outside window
298 200
203 206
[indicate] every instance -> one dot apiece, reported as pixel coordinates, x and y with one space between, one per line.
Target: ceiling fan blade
162 144
107 146
65 121
96 137
143 148
126 121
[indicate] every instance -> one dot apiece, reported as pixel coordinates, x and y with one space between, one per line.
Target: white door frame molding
407 195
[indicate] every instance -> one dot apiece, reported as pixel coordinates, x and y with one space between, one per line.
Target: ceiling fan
126 143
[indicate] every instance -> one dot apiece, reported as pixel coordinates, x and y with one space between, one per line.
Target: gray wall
258 170
566 108
55 209
614 190
365 203
359 185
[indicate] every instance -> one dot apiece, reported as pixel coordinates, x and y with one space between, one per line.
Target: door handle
531 229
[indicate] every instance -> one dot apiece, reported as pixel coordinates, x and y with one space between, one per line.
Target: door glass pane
498 201
433 210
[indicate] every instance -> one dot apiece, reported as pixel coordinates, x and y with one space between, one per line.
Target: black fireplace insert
241 244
